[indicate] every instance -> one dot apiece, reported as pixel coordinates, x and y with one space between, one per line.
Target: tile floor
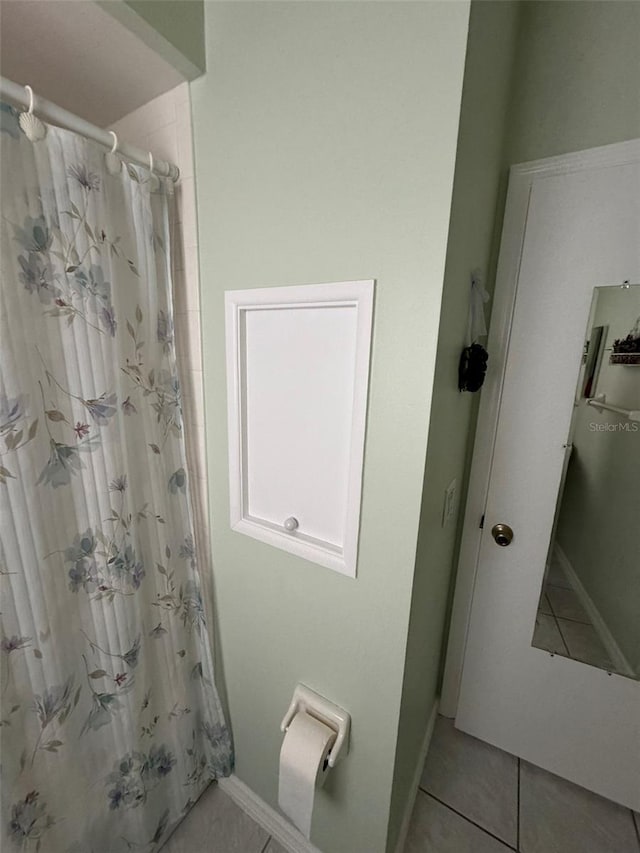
562 625
473 798
217 825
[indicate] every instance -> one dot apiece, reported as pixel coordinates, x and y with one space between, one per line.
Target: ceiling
75 54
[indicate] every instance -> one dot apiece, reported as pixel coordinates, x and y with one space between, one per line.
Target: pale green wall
290 190
577 78
598 522
325 138
478 191
180 21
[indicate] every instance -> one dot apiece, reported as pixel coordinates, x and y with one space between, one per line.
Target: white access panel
297 371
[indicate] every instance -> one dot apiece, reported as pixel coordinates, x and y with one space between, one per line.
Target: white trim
341 557
617 154
521 180
287 835
415 784
616 655
268 818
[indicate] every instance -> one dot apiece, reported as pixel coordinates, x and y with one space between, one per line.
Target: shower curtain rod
54 114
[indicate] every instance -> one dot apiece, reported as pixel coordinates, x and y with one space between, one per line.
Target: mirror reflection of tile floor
473 798
562 625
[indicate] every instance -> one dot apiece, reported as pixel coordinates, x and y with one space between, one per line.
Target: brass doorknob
502 534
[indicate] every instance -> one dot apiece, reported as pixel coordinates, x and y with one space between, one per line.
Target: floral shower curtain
111 725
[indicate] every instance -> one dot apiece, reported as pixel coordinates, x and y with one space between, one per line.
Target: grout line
609 667
468 819
559 619
518 810
635 823
577 621
568 618
555 620
557 615
553 612
564 642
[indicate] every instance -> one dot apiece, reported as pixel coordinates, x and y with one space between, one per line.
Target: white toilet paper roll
303 767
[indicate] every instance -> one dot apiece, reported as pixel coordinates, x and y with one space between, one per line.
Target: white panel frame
353 294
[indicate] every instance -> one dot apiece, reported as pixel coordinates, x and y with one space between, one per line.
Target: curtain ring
31 99
151 162
111 157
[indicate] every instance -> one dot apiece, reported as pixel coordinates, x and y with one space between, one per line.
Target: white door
572 224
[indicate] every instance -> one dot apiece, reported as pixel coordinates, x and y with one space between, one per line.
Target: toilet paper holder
305 699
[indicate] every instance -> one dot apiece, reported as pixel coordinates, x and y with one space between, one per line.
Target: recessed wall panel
298 364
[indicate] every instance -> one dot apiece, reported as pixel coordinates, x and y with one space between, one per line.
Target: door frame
522 178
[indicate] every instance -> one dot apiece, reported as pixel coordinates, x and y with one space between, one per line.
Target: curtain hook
111 157
154 180
31 125
31 99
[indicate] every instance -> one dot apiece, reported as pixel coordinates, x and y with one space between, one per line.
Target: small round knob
291 524
502 534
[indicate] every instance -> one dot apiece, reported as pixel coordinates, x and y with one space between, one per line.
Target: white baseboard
413 790
614 651
267 817
287 835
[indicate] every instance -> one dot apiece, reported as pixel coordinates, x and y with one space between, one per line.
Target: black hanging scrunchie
472 368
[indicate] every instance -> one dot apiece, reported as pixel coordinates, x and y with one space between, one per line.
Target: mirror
589 607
